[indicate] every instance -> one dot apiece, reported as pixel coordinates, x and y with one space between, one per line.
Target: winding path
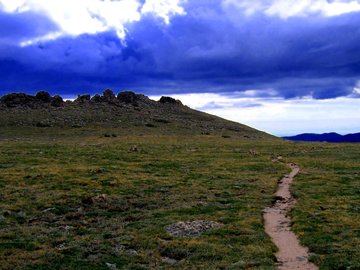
291 255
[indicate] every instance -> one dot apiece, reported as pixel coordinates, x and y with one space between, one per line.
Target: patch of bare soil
291 255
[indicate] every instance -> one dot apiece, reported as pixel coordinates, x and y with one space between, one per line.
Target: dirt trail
291 254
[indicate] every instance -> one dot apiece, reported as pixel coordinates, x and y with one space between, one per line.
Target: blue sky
282 66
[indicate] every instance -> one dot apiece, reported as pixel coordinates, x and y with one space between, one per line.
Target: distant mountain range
325 137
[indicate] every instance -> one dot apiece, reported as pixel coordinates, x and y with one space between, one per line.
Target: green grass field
79 200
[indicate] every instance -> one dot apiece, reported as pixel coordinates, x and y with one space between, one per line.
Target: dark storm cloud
16 27
210 49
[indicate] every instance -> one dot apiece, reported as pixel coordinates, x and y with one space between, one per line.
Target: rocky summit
126 110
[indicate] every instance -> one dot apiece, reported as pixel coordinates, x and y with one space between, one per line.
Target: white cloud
163 9
290 8
278 116
12 5
48 37
356 89
76 17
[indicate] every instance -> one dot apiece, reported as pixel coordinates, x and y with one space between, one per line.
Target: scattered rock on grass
21 214
133 148
238 265
191 228
132 252
48 210
111 266
253 152
124 249
101 198
169 261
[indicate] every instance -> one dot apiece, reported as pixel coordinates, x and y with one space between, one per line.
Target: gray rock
120 248
111 266
132 252
169 261
48 210
21 214
61 246
191 228
237 265
301 258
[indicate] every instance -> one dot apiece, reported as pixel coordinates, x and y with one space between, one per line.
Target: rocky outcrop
126 110
41 98
107 96
17 99
169 100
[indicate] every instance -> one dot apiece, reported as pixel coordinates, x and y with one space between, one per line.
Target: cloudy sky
283 66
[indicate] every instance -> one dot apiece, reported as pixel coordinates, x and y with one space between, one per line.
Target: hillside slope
127 111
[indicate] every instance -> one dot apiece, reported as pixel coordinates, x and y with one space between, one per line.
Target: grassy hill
78 191
127 113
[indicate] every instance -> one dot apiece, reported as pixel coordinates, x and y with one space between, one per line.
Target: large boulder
57 101
169 100
43 96
128 97
108 95
82 99
96 99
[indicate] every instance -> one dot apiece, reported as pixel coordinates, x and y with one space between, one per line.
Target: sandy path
291 254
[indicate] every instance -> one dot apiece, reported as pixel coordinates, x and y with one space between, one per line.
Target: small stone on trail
301 258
